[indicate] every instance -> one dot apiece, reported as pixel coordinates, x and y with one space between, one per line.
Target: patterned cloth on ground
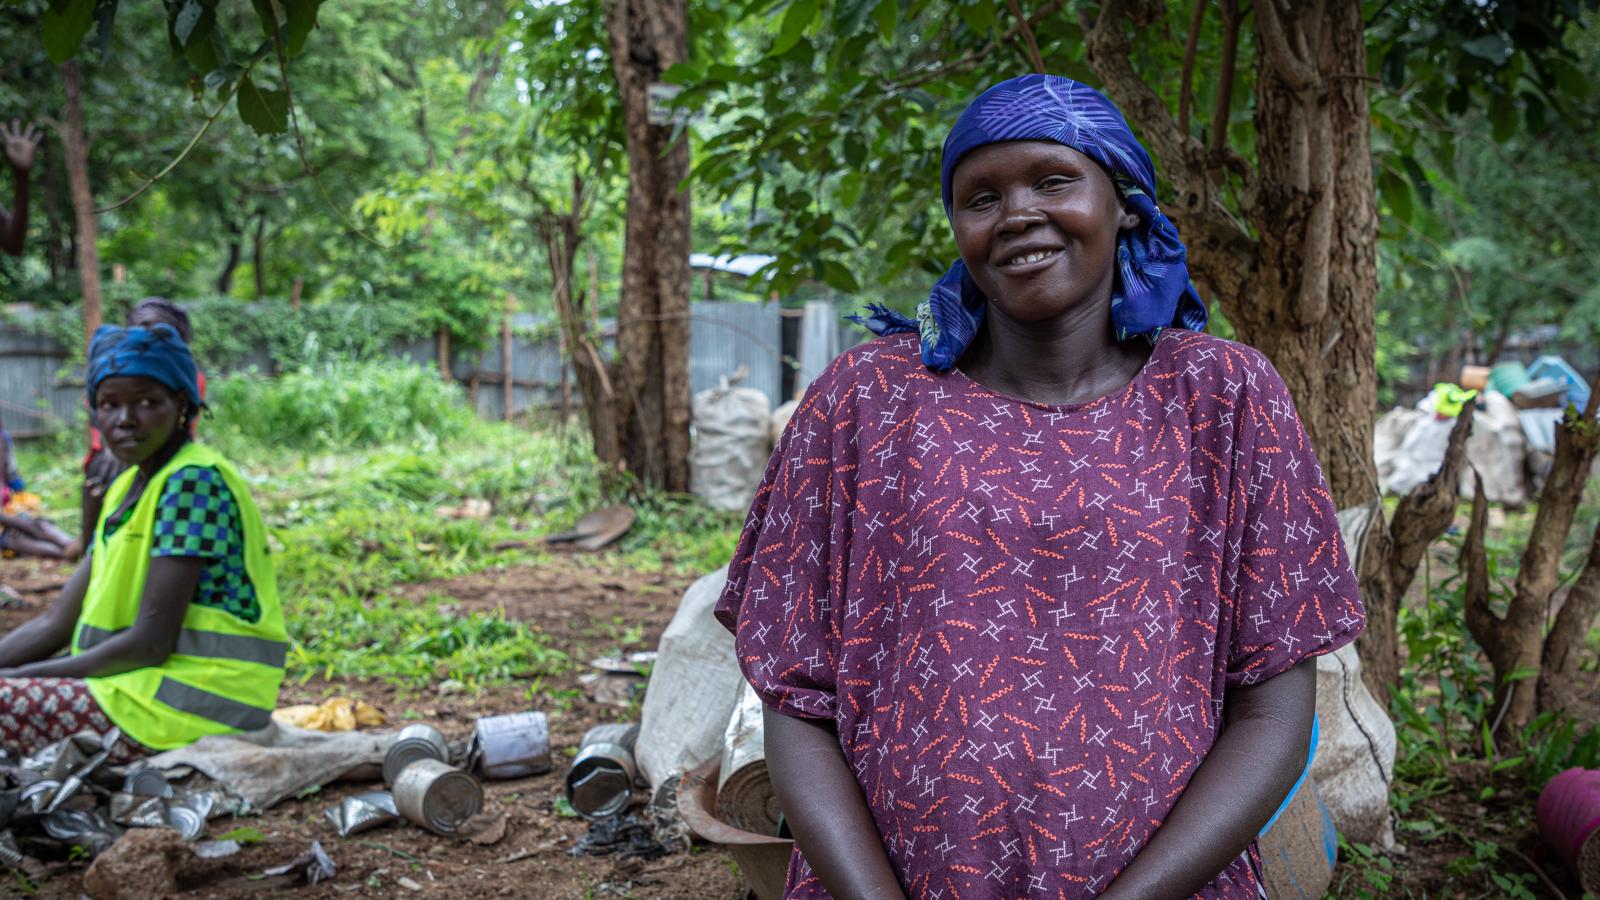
1024 618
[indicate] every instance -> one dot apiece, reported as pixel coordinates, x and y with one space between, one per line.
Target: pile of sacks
1511 446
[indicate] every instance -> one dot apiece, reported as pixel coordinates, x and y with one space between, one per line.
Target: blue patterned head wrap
156 353
1151 288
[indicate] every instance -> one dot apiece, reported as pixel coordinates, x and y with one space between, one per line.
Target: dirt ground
580 603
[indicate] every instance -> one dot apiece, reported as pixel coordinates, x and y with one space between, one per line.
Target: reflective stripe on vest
193 642
211 706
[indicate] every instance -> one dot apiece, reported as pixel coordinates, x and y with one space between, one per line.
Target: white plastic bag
731 446
1355 751
693 689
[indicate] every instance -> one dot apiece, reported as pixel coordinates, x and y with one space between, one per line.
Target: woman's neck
1070 359
159 459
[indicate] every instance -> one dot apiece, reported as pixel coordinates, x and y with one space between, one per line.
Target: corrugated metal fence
41 388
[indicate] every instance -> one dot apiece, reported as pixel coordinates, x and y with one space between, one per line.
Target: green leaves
266 111
64 25
294 19
796 19
1490 48
886 14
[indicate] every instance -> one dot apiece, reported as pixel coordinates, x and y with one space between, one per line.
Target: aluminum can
437 796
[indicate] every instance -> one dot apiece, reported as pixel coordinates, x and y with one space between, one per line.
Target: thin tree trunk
652 383
1568 638
231 262
258 253
75 137
57 243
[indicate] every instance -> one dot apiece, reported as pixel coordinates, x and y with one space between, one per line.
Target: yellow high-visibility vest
223 676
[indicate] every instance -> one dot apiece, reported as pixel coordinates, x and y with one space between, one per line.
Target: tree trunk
231 261
1564 647
57 243
1300 283
652 364
75 138
258 253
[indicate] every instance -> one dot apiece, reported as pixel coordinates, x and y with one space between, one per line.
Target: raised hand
21 144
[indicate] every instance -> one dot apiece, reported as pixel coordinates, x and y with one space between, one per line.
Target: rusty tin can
437 796
600 782
513 746
415 742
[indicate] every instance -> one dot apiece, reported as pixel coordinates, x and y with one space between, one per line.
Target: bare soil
588 607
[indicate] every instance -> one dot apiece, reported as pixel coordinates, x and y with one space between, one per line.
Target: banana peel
337 714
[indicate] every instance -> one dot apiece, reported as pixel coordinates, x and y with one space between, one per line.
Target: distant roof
746 264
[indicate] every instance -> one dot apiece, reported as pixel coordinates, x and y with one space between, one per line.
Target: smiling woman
1026 590
172 624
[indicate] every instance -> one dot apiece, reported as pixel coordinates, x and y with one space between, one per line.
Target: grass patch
351 479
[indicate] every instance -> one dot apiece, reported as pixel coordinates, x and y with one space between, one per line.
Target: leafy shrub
340 405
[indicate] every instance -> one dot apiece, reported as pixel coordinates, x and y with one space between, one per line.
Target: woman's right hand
822 802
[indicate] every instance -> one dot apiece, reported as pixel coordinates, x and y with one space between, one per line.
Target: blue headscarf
1151 288
157 353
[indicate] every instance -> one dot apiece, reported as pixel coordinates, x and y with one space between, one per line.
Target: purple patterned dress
1023 618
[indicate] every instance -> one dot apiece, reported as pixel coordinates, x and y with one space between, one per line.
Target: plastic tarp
693 689
731 446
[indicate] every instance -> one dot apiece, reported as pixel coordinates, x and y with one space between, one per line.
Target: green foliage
202 35
335 406
1444 715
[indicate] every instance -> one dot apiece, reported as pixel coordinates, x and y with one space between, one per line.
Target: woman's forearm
823 805
50 632
1238 786
121 653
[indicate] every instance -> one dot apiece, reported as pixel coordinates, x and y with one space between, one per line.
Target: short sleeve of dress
779 598
1296 594
197 516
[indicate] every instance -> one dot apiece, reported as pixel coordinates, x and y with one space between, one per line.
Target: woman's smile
1028 262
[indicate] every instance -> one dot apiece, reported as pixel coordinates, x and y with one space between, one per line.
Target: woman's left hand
1239 785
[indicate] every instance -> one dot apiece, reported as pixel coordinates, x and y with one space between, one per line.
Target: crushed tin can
414 742
512 746
89 829
146 782
35 798
10 855
184 819
600 782
437 796
363 812
184 813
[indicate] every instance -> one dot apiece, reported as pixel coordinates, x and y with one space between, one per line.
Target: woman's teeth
1031 257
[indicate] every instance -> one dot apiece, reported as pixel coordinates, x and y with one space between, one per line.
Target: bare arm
1239 785
168 589
51 631
822 803
20 144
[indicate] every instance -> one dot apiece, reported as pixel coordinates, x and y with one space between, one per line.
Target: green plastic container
1506 377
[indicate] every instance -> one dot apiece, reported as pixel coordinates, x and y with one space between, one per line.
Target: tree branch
1276 51
1027 36
1482 623
1185 94
1230 54
1427 511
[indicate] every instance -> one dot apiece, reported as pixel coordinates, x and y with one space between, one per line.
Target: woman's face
1036 223
137 416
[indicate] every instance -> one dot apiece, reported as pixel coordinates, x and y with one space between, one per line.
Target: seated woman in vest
171 626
